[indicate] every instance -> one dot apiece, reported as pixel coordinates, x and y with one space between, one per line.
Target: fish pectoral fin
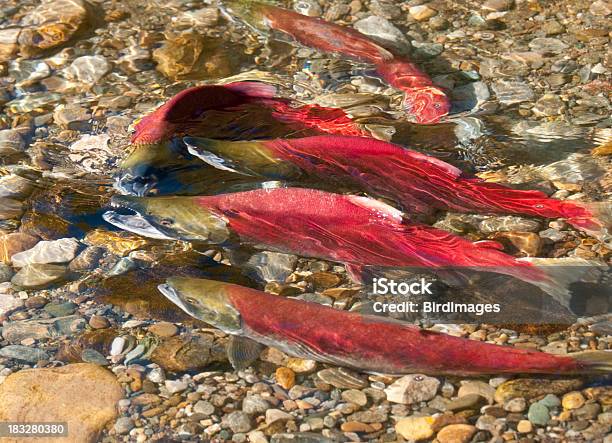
199 147
242 351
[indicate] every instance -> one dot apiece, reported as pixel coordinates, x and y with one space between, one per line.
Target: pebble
174 386
117 346
477 387
547 45
285 377
421 12
99 322
14 243
6 273
11 142
355 396
384 31
92 356
23 353
530 388
275 415
573 400
38 276
456 433
88 69
415 428
255 405
498 5
8 304
204 408
164 329
601 7
515 405
524 427
56 251
412 388
123 425
510 92
538 414
342 378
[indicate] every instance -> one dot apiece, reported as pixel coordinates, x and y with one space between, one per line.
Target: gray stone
204 408
6 273
538 414
15 332
355 396
272 266
238 421
88 69
38 276
123 425
55 251
92 356
174 386
547 45
412 388
255 405
8 304
274 415
60 309
511 92
515 405
383 31
11 142
23 353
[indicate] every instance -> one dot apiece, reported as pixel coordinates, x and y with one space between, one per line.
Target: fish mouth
129 219
170 293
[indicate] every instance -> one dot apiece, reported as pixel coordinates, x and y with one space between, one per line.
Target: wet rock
57 309
285 377
51 24
123 425
464 402
547 45
511 92
84 396
601 7
15 186
92 356
88 69
11 142
342 378
56 251
508 223
456 433
164 329
310 8
255 405
6 273
553 27
38 276
415 428
498 5
72 117
517 404
8 304
538 414
17 331
175 386
10 208
383 31
271 266
355 396
204 408
99 322
412 388
528 243
24 354
9 44
549 105
573 400
87 260
188 353
301 365
421 12
238 421
532 388
276 415
385 9
524 427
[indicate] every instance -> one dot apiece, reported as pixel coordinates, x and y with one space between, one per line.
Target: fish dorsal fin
253 89
242 351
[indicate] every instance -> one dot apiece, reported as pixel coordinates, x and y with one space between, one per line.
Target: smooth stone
188 353
83 395
238 421
164 329
549 105
23 353
601 7
38 276
515 405
88 69
92 356
285 377
547 45
60 309
456 433
10 208
483 389
99 322
117 346
551 401
17 331
415 428
382 30
573 400
412 388
421 12
14 243
9 44
498 5
530 388
271 266
6 273
55 251
303 437
11 142
72 117
524 427
123 425
511 92
470 401
204 408
8 304
342 378
255 405
301 365
538 414
175 386
275 415
354 396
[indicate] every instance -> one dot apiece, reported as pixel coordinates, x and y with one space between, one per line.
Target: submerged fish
365 342
247 109
417 181
424 101
357 231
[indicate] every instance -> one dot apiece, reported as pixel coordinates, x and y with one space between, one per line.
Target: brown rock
98 322
529 388
285 377
355 426
164 329
188 352
83 395
460 433
11 244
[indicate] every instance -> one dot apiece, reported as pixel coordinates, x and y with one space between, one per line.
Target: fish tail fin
595 361
578 284
254 89
596 220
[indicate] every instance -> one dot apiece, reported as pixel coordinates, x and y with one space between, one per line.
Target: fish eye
437 105
166 222
191 300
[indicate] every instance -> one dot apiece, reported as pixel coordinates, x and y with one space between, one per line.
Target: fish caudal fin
563 278
595 361
597 221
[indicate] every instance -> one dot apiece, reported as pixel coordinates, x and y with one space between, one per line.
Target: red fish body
184 113
417 181
427 103
364 342
354 230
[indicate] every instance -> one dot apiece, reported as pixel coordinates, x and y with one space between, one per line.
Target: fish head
427 104
147 165
180 218
206 300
